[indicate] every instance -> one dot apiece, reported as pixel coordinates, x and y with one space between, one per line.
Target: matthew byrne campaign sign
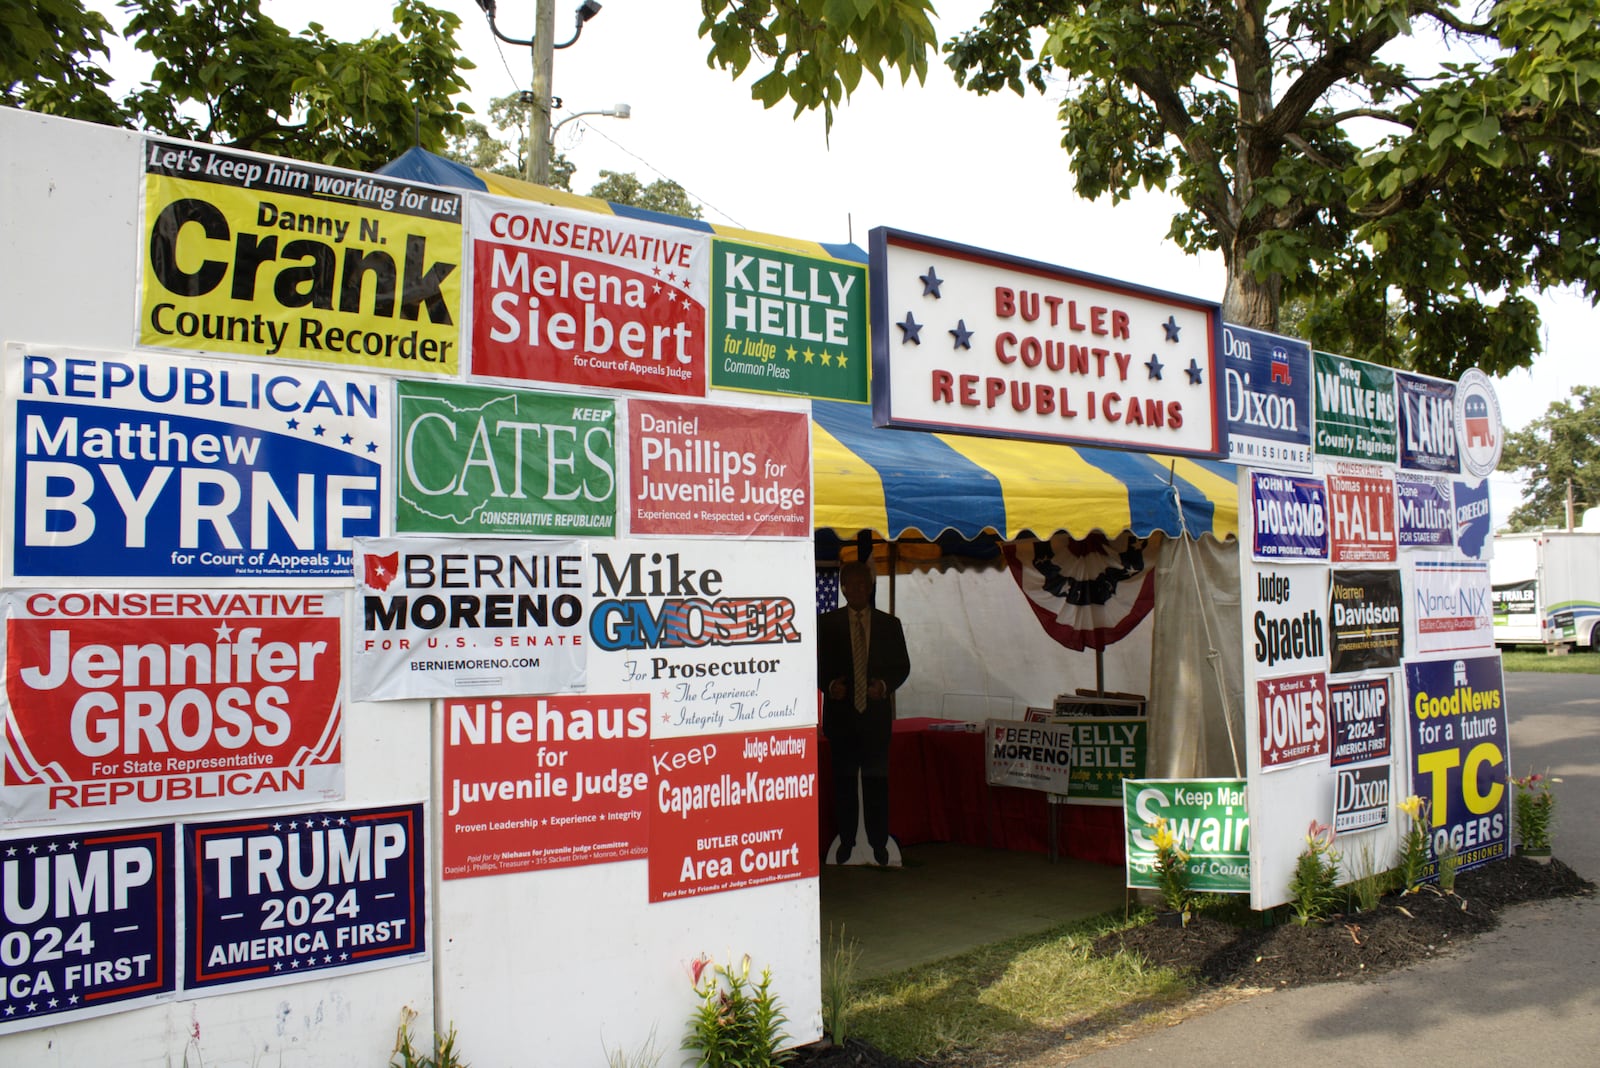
1427 423
1367 629
709 469
87 924
1452 604
786 323
496 460
296 896
1269 399
586 299
720 633
132 703
1460 755
142 466
1361 512
733 811
545 782
1293 719
1289 624
1289 517
258 256
1355 409
452 617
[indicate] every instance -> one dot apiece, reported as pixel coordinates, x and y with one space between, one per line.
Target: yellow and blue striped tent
907 482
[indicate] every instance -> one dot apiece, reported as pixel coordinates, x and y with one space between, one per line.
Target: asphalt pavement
1526 993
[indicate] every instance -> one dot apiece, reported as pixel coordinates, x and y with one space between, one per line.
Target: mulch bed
1399 932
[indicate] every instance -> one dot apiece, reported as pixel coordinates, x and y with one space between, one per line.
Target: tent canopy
907 481
897 482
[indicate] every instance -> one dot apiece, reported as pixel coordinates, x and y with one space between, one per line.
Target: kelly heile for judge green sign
1206 816
788 323
494 460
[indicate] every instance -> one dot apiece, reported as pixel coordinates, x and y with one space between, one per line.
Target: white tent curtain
1196 675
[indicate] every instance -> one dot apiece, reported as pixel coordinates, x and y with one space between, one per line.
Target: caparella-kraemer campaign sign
586 299
87 924
977 341
445 618
545 782
710 469
496 460
272 257
286 898
1460 755
151 466
733 811
131 703
719 633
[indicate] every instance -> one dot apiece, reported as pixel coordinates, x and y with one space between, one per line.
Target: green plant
1449 864
1413 865
1172 868
838 982
647 1056
1314 885
406 1056
1368 882
1533 809
738 1024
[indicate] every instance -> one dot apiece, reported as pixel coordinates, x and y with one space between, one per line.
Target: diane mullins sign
87 924
983 343
145 466
446 617
271 257
717 632
586 299
709 469
130 703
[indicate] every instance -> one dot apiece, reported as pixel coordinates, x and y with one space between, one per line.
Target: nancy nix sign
983 343
134 703
149 466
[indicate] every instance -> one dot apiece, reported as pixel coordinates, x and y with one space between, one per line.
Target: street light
621 111
586 11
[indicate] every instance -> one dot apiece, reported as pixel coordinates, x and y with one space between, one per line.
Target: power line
702 200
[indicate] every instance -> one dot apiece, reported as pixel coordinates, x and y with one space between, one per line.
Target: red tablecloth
938 793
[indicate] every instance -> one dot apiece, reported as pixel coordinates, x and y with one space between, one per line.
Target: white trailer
1547 588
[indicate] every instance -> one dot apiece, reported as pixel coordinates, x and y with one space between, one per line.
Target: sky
932 159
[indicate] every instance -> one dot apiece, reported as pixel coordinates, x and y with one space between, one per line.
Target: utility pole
536 167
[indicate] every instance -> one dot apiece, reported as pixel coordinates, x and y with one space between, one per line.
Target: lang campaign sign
151 466
136 703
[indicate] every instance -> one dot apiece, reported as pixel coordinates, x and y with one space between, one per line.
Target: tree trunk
1249 301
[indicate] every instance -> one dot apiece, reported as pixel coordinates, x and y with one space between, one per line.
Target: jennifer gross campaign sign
133 703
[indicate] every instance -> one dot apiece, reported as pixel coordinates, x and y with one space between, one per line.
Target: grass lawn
1534 658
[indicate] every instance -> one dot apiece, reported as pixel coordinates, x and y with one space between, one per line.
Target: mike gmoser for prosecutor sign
153 466
135 703
449 618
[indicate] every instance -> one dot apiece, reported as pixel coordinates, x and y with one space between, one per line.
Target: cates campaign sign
260 256
545 782
141 703
1269 399
786 323
1289 517
87 924
1289 623
286 898
587 300
495 460
451 618
1460 755
1355 409
733 811
1427 423
1425 512
1368 622
1208 820
720 633
1360 712
199 471
703 469
1452 606
1361 514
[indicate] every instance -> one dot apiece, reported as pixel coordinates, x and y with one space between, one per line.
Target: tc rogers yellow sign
269 257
